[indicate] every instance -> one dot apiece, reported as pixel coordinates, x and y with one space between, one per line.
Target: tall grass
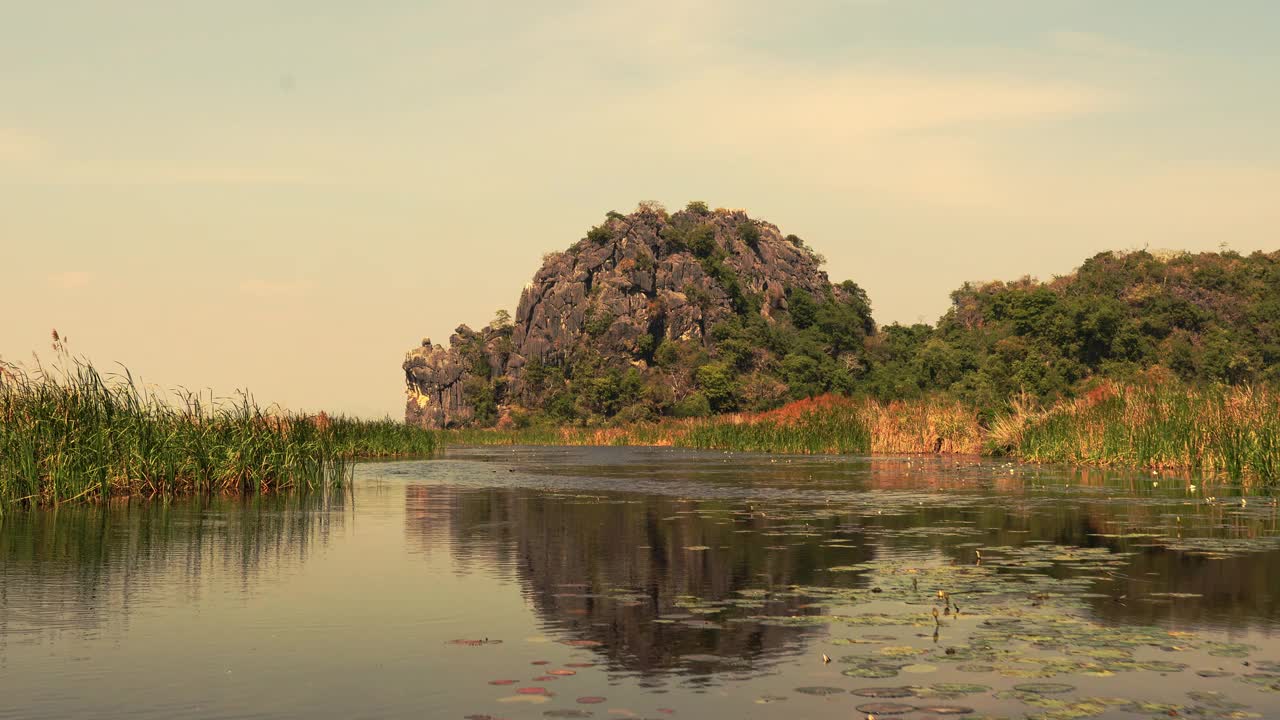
1156 422
72 434
826 424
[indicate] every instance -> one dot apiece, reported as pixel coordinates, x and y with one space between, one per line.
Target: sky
286 196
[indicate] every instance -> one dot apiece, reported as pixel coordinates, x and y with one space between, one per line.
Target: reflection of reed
1236 592
82 563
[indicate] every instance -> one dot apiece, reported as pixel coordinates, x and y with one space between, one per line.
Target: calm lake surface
653 583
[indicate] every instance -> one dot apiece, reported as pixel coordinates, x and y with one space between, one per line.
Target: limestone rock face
434 375
635 281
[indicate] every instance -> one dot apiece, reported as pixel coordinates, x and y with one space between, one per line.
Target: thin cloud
19 145
245 176
70 280
1095 45
273 288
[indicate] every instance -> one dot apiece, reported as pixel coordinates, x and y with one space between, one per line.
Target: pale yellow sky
286 198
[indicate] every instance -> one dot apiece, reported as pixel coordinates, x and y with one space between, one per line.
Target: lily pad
1044 688
885 708
945 709
886 692
820 690
870 672
951 689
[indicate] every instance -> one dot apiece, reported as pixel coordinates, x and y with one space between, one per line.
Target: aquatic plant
1156 422
71 434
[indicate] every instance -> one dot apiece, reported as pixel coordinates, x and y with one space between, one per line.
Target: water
669 583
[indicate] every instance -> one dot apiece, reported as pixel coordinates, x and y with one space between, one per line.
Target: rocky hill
650 314
699 311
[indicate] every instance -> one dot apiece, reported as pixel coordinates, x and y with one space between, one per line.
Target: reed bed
72 434
825 424
1156 423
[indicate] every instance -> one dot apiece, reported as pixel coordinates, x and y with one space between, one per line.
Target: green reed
1228 431
817 431
832 428
73 434
1154 422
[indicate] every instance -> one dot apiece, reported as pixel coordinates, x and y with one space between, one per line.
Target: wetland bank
654 582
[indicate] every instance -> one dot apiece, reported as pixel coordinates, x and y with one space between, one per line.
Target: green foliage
718 384
645 346
697 207
597 323
599 235
609 393
1212 317
666 355
804 311
695 405
562 407
749 233
482 395
701 241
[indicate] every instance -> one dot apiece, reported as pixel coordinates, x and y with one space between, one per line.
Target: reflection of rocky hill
620 572
616 568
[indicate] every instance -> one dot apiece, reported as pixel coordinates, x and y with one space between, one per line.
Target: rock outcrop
633 283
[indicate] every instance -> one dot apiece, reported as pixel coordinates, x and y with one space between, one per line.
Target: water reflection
617 570
575 541
711 579
74 567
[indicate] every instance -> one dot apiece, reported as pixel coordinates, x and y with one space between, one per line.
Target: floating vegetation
944 709
885 708
820 690
886 692
1044 688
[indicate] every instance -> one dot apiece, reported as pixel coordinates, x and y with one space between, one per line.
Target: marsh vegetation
1156 422
74 434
